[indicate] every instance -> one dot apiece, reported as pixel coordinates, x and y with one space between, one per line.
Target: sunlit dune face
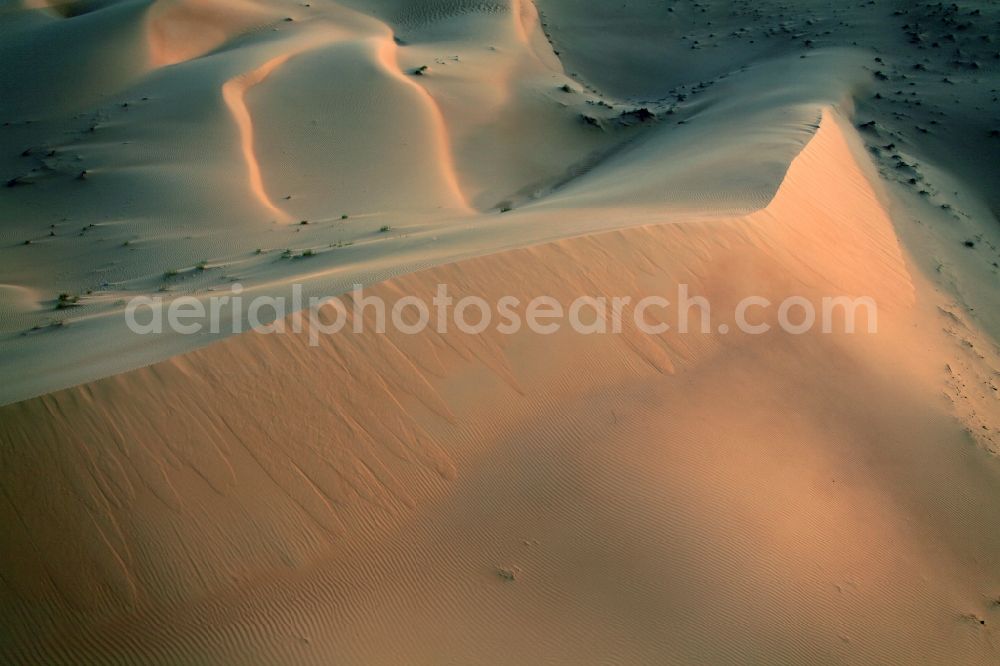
181 30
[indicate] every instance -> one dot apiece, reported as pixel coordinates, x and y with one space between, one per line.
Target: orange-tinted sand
687 498
627 498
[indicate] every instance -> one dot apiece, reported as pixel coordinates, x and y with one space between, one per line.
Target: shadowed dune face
405 13
680 497
63 8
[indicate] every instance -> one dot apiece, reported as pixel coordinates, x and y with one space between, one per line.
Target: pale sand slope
209 129
663 499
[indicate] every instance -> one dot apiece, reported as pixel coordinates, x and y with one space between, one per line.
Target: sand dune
325 496
186 30
715 497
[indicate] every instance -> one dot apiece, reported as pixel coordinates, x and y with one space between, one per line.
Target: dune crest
234 92
388 58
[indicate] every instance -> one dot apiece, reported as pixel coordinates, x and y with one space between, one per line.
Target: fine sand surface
627 498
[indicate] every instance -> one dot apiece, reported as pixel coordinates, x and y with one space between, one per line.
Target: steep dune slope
521 499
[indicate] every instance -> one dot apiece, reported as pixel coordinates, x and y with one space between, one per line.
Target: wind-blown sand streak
388 58
234 92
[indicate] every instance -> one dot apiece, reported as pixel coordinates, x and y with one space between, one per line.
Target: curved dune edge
261 499
234 93
444 159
